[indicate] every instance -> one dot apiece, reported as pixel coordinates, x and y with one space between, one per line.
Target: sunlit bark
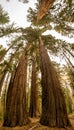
44 6
33 111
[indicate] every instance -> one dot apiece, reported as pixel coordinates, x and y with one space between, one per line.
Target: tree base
13 124
61 123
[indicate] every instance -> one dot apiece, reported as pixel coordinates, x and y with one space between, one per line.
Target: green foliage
5 28
9 29
63 16
71 76
31 34
16 48
1 111
4 18
2 50
50 43
68 100
60 15
72 46
32 17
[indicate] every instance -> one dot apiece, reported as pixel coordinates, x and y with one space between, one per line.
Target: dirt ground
35 125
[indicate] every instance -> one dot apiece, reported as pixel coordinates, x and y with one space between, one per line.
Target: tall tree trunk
16 113
33 98
28 86
44 6
6 69
4 91
54 111
2 81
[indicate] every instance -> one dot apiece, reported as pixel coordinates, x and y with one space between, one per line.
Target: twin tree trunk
16 113
54 111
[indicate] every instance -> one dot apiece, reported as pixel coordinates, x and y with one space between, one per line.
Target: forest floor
35 125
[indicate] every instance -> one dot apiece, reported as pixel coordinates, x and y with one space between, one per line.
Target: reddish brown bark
44 6
54 111
16 113
33 111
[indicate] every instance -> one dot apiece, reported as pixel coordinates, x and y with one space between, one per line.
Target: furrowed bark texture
44 6
33 97
16 113
54 111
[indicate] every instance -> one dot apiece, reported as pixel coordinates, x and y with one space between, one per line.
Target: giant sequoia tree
53 105
54 111
16 113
